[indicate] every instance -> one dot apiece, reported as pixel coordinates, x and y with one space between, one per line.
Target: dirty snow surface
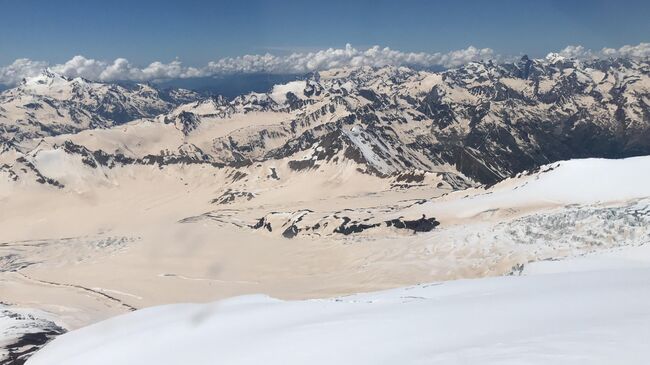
573 313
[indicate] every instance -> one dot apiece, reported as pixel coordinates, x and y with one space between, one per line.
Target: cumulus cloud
639 51
122 69
19 69
343 57
80 66
299 62
577 52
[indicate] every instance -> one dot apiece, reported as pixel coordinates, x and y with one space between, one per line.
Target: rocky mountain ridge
50 104
479 123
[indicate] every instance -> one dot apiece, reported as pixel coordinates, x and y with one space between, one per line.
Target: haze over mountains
117 197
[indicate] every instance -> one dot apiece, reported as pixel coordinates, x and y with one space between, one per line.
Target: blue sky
200 31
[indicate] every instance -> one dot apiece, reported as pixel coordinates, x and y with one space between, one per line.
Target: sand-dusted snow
593 316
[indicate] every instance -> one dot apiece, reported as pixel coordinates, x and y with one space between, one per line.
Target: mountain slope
566 186
50 104
557 318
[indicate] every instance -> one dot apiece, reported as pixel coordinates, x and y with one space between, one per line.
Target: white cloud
122 69
299 62
80 66
639 51
577 52
342 57
20 69
463 56
174 69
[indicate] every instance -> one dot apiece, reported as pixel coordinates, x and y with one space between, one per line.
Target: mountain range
477 124
117 197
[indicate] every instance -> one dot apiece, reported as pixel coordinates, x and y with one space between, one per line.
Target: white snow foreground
579 317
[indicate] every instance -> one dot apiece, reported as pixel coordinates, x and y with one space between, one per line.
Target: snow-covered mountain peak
50 104
48 83
554 58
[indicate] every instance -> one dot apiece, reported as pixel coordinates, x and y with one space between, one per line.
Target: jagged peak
219 100
49 73
46 76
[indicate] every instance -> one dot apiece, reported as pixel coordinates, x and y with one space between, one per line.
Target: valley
347 181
